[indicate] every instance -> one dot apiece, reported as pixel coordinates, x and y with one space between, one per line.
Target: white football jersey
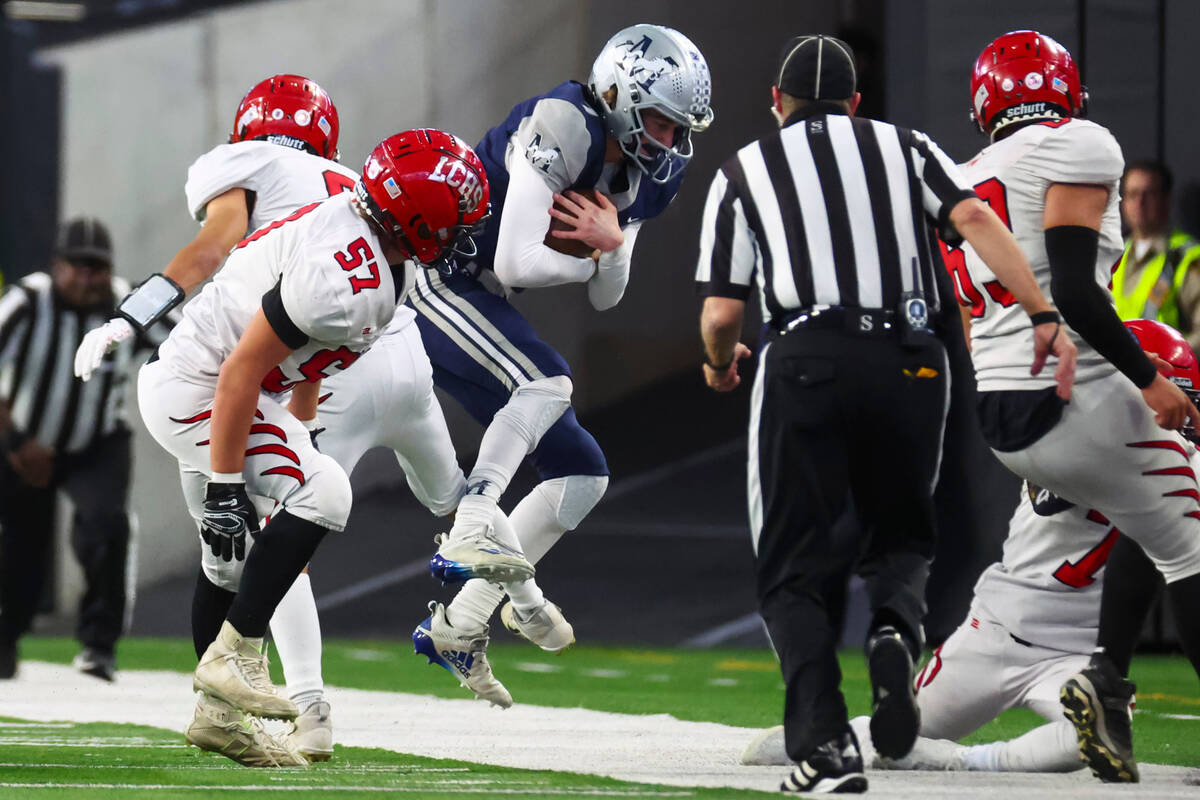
318 273
1013 176
1046 587
282 179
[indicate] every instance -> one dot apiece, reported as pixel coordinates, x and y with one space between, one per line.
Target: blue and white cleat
478 555
462 654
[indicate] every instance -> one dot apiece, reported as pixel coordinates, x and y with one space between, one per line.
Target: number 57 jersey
321 279
1013 176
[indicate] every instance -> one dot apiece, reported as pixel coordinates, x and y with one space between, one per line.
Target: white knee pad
325 498
535 406
225 574
573 497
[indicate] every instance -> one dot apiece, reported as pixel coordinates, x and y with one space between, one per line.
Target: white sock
1049 748
503 448
535 519
474 605
296 631
479 511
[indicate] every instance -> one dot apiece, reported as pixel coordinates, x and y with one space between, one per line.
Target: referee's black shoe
1096 701
834 767
895 716
8 660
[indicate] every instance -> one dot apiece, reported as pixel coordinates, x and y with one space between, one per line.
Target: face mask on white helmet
653 67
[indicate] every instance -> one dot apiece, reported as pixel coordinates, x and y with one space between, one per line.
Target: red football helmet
1024 75
428 190
290 110
1169 345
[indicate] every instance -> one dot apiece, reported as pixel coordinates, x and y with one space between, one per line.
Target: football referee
830 217
58 433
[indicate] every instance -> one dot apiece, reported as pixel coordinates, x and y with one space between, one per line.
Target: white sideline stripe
724 632
654 749
236 787
354 591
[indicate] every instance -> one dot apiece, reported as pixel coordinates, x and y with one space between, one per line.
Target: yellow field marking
650 657
746 665
1169 698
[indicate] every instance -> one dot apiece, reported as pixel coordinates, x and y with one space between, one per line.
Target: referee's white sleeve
728 249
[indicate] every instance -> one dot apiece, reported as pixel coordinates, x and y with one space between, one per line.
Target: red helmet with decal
1169 345
427 190
1024 75
289 110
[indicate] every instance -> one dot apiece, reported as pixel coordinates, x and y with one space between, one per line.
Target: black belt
869 322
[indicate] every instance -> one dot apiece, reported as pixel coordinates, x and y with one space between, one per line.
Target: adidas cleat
234 670
220 728
462 654
478 555
546 627
834 767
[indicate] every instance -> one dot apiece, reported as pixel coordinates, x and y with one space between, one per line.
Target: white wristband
227 477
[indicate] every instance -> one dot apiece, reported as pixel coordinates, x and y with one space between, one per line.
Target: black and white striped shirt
828 211
38 338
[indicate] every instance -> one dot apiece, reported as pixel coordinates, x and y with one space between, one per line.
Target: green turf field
736 687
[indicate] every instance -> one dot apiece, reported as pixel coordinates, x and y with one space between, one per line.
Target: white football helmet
651 66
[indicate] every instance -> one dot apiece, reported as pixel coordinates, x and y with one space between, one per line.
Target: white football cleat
546 627
478 553
312 732
462 654
220 728
234 669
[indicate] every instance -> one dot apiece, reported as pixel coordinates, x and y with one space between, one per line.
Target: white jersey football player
281 157
1054 178
329 276
1031 626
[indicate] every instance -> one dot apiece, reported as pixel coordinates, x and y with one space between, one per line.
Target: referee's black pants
838 419
97 481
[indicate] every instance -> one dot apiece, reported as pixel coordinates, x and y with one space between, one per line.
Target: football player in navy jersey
600 158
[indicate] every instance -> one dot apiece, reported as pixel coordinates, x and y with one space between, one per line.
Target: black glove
228 516
313 433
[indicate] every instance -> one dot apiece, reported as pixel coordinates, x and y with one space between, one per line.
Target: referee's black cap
84 239
817 68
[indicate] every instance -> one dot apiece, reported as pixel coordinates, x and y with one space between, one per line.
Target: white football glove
99 342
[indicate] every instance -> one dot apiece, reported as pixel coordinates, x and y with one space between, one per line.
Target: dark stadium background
665 558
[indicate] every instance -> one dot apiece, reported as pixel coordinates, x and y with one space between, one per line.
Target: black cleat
8 660
834 767
96 663
1096 701
895 717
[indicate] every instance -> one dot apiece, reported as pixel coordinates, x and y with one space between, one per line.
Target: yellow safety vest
1156 294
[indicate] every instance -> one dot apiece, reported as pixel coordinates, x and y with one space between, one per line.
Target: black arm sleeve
276 314
1083 304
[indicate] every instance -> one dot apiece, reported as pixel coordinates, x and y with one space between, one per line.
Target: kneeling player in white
1031 626
327 294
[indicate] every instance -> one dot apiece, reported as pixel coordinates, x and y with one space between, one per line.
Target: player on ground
627 135
1053 177
1031 626
329 276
